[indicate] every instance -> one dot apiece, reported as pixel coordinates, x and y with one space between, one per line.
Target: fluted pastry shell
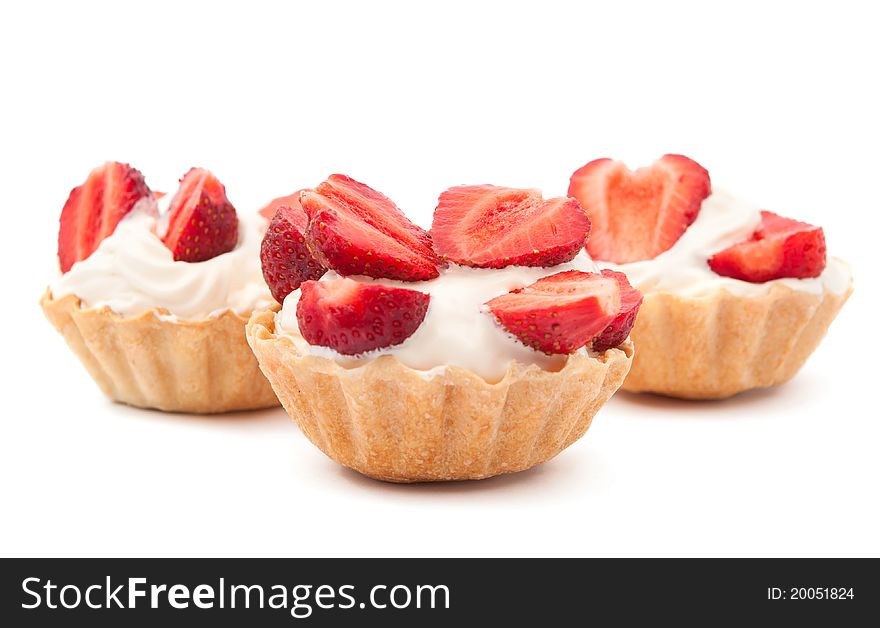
717 346
391 422
201 366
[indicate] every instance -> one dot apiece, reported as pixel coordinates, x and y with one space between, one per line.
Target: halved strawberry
630 302
780 247
492 227
284 253
93 210
353 317
290 200
355 230
639 214
202 222
560 313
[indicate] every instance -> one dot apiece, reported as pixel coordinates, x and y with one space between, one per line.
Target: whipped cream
457 330
132 272
723 221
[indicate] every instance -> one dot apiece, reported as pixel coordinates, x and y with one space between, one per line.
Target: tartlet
155 306
734 298
430 358
390 422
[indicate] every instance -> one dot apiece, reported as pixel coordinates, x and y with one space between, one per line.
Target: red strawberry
492 227
93 210
202 222
780 247
630 302
560 313
286 258
639 214
355 230
269 210
353 317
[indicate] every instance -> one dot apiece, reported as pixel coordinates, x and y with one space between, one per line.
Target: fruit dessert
483 347
154 303
735 298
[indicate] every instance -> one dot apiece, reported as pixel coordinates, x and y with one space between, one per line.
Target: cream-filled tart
154 303
486 347
735 298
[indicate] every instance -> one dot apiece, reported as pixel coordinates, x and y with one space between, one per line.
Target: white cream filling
723 221
132 272
457 330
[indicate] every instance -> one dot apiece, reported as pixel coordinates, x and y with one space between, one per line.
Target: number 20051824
810 593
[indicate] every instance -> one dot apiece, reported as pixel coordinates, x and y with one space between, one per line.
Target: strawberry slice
352 317
202 223
492 227
93 210
639 214
780 247
269 210
355 230
630 302
284 253
560 313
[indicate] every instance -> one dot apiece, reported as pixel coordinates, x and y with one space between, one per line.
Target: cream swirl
723 221
132 272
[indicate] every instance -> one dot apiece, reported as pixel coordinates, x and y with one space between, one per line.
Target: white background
778 101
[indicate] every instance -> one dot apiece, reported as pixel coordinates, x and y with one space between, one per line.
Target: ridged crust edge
717 346
201 366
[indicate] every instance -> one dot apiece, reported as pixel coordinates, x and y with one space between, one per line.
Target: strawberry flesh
630 302
94 208
268 212
779 248
560 313
284 253
639 214
356 230
202 223
351 317
487 226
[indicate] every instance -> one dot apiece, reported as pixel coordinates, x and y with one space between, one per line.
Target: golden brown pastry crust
394 423
717 346
178 366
